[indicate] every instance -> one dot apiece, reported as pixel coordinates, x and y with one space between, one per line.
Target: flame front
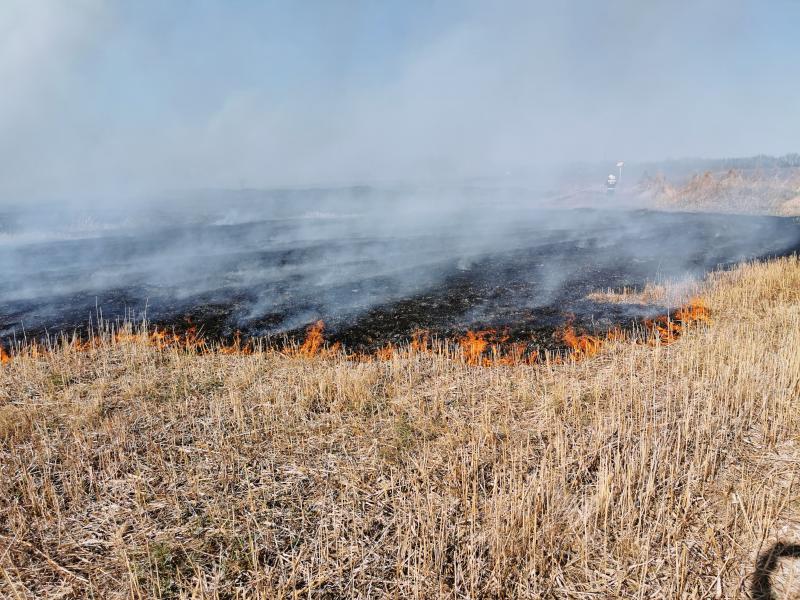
661 330
486 349
666 329
582 346
314 340
473 344
385 353
480 348
420 340
236 347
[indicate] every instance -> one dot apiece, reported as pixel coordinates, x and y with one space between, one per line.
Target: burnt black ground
373 276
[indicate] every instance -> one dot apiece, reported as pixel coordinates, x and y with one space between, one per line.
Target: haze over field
108 100
339 300
141 146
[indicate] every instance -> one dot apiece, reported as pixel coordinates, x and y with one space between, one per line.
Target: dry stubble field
644 472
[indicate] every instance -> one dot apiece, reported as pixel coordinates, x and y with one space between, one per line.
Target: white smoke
111 99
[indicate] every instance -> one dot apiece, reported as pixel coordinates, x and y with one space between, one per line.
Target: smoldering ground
374 264
114 101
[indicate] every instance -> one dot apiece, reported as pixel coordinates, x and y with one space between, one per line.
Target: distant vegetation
761 161
684 166
756 185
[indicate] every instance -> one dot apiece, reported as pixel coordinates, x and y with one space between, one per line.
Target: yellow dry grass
646 472
668 293
752 191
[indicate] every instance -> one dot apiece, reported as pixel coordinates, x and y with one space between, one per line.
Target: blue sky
113 97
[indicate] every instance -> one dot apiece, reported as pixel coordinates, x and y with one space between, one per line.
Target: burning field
536 402
518 281
143 463
399 300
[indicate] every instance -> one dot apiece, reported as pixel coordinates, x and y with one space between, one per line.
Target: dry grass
668 293
650 294
128 472
752 191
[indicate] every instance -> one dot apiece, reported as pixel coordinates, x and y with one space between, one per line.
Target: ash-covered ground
374 269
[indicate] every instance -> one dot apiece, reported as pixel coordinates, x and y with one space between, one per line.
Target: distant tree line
683 167
761 161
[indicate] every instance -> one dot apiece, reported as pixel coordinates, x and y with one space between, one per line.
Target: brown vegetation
774 192
133 471
670 293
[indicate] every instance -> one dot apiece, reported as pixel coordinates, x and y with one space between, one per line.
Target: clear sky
116 97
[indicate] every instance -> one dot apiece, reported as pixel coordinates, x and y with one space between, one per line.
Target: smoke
116 99
382 261
127 122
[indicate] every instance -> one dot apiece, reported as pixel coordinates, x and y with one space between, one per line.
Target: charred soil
523 276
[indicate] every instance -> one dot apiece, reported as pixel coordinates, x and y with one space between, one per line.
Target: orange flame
236 347
662 330
582 346
419 340
473 344
514 354
79 345
485 348
479 348
666 329
385 353
314 340
693 312
158 338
